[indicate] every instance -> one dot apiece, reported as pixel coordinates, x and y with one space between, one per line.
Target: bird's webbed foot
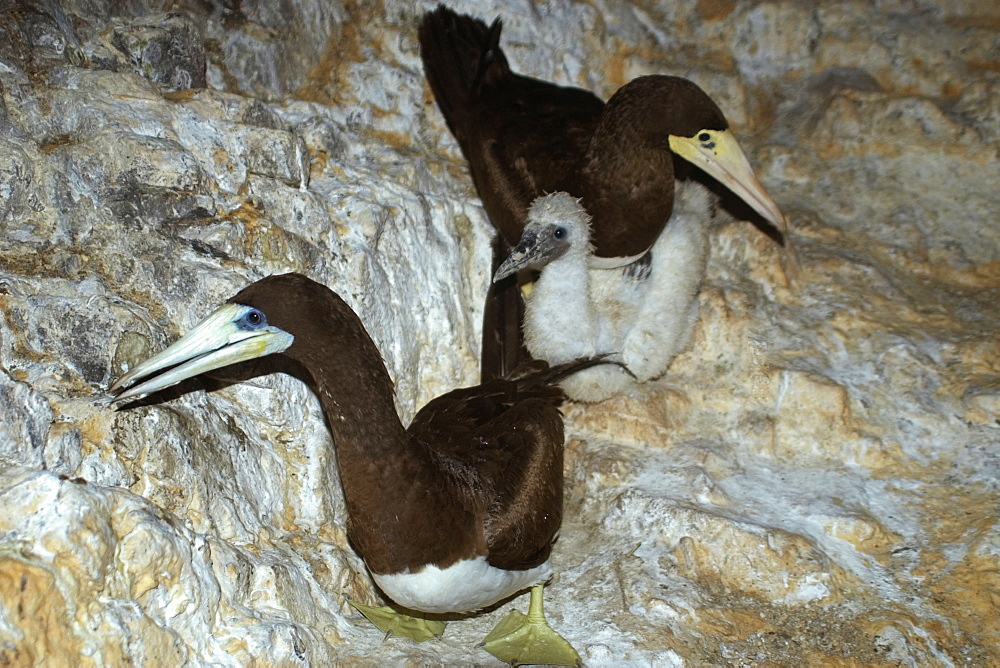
528 639
393 623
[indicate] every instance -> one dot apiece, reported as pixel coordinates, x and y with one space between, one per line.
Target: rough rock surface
814 481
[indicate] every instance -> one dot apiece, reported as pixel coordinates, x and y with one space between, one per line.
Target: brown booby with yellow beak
452 514
524 138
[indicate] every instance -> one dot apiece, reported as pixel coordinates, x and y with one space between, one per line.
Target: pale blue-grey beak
233 333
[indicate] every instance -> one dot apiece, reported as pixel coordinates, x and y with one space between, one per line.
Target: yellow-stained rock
38 628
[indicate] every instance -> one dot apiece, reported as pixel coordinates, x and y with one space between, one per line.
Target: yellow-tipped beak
719 154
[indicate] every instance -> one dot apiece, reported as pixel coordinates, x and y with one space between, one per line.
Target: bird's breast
470 584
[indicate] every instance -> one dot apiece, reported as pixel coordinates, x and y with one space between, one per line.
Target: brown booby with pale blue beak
452 514
524 138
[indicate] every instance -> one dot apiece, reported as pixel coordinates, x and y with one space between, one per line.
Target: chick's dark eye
704 136
559 233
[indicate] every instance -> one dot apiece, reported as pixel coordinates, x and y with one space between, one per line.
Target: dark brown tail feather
536 378
461 55
503 348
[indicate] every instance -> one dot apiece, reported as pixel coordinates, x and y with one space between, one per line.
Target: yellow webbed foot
528 639
393 623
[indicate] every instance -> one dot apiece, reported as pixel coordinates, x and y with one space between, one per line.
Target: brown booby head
450 515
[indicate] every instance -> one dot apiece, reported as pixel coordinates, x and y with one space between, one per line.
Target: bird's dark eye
704 136
254 319
559 233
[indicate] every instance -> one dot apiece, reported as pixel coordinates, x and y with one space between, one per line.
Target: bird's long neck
618 159
380 464
357 396
628 178
401 495
357 399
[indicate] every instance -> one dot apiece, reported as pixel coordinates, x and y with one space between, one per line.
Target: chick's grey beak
524 256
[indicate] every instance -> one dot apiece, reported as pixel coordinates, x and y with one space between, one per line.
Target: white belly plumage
468 585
